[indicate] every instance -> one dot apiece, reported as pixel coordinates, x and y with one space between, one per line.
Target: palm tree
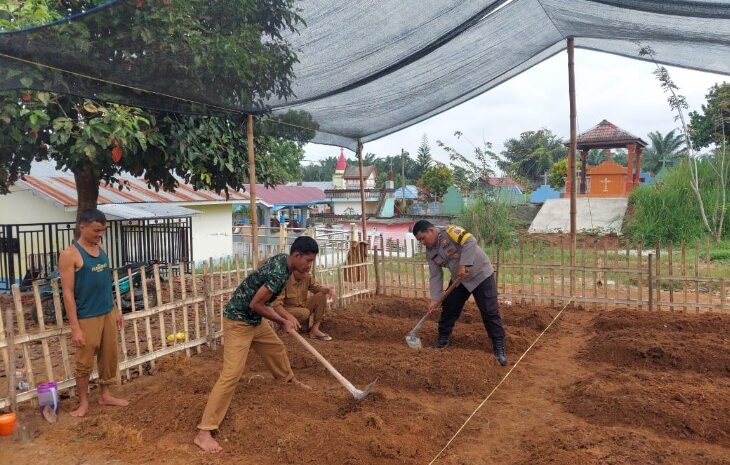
664 150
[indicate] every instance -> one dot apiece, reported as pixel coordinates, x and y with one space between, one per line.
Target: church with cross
608 179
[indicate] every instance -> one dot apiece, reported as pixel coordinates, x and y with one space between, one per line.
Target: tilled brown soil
600 387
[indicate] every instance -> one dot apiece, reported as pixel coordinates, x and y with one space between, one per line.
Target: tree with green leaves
558 173
423 158
471 172
664 150
99 141
709 126
435 181
531 155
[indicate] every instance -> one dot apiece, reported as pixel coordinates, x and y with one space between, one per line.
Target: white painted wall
212 231
339 207
20 206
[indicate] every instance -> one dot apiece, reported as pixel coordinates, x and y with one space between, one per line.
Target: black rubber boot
440 343
498 344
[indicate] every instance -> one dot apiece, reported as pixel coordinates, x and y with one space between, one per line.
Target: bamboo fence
179 312
182 311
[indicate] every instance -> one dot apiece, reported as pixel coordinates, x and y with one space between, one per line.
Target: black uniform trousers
485 296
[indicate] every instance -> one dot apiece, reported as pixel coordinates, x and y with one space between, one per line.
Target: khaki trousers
239 337
100 333
316 306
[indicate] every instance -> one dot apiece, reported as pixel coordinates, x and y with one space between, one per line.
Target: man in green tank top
87 295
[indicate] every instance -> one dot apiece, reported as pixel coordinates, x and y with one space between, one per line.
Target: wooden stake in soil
158 296
683 271
134 321
62 337
10 339
123 332
21 333
659 276
146 305
42 327
697 275
670 253
650 284
196 307
639 281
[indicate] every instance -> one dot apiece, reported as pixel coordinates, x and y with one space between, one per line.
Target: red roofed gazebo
606 135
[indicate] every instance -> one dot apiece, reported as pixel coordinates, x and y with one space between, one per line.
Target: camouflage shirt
273 273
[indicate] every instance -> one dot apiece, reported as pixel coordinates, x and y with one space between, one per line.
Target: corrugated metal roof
411 192
127 211
62 190
284 195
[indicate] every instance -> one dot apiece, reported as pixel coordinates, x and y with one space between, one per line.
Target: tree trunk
87 192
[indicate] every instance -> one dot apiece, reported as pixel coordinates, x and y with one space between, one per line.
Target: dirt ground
616 387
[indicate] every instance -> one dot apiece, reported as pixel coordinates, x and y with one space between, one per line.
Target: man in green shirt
242 329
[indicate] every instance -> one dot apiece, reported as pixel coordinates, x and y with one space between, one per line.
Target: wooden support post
252 194
571 161
362 191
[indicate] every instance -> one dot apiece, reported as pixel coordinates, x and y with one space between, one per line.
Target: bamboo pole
62 337
183 295
42 326
670 263
571 160
606 269
723 295
522 271
639 281
21 332
196 307
146 304
134 321
171 293
659 276
10 339
595 274
362 190
650 284
697 275
158 295
252 193
683 271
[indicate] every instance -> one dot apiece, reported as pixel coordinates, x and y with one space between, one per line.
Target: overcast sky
621 90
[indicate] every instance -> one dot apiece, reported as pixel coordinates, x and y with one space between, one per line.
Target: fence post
209 314
282 238
651 283
723 296
339 288
10 339
378 289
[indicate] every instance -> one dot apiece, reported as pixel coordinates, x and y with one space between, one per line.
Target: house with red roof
49 196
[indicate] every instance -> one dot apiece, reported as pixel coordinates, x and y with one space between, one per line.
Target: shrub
666 210
489 221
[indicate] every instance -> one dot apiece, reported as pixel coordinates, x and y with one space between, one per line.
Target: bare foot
299 384
108 399
82 410
205 441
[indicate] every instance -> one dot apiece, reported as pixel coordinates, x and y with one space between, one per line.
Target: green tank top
93 285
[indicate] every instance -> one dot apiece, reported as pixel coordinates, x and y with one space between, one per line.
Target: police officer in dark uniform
455 248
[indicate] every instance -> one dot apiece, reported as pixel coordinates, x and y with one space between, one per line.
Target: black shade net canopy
365 69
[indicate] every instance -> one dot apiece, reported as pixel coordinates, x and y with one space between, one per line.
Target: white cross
605 184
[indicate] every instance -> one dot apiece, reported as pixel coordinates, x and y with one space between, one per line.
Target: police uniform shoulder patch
457 234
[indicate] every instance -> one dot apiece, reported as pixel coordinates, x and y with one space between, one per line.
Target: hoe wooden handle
348 385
